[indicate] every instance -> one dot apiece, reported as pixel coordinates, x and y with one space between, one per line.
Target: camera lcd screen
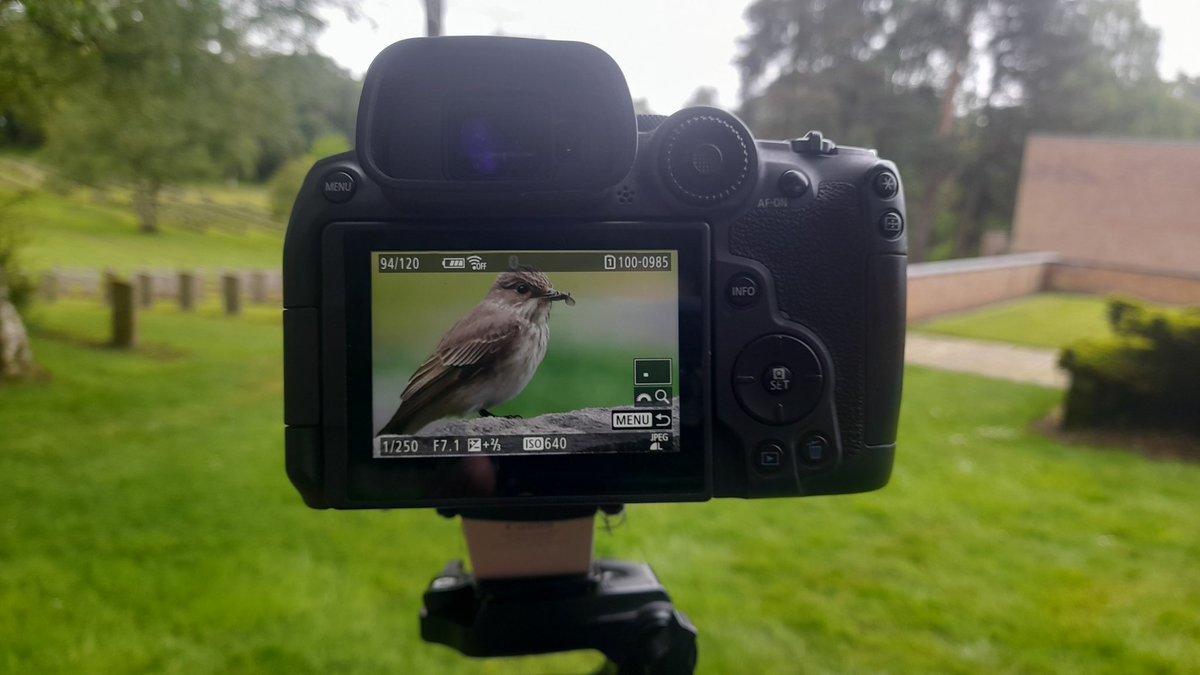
532 353
432 324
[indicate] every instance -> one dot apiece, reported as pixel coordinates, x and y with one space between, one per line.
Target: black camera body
753 292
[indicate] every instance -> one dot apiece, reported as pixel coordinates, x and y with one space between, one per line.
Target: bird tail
410 418
400 422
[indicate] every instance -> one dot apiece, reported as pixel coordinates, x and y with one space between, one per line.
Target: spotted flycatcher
485 359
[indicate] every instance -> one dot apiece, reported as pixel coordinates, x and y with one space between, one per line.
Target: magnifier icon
661 396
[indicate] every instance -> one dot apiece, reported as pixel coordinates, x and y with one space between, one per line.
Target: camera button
891 225
742 290
338 186
815 452
793 184
769 458
778 379
886 184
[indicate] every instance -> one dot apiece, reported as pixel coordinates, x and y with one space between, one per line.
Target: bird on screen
487 358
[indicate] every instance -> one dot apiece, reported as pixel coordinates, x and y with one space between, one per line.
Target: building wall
1167 289
954 285
1123 203
957 285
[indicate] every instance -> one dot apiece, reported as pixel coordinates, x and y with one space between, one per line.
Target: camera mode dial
705 159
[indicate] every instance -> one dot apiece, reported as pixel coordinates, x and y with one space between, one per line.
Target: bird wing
460 355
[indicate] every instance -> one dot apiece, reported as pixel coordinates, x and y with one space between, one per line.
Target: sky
667 48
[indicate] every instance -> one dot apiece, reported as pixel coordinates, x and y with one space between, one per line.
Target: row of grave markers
128 296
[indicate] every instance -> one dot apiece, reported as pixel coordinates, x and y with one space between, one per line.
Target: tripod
537 590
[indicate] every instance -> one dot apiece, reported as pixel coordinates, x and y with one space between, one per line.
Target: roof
1127 202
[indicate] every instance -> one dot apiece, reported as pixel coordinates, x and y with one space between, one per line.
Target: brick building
1124 204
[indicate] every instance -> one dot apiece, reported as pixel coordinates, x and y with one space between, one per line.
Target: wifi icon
476 263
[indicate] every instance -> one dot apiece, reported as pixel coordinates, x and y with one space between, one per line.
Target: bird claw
485 413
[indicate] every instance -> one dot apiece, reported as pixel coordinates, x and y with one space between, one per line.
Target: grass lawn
1047 320
146 525
73 232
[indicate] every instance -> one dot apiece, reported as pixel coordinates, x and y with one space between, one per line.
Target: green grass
146 526
1047 320
73 232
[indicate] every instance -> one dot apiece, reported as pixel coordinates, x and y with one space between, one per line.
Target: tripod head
537 589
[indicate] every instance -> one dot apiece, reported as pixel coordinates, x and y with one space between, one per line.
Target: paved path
1030 365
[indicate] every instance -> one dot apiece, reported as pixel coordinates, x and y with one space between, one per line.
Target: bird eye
523 289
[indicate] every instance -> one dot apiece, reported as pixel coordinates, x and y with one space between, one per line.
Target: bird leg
485 413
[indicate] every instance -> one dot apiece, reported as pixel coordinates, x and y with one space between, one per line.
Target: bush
287 180
20 285
1147 375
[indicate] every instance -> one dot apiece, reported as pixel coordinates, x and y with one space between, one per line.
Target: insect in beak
558 295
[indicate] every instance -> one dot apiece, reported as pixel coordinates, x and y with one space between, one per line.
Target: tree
702 96
155 92
951 88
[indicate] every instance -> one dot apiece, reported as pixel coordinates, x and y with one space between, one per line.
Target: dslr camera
517 292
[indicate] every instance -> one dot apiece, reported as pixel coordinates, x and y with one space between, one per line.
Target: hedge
1146 375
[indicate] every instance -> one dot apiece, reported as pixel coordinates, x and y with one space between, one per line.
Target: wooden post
145 283
258 287
187 290
231 293
124 314
50 285
106 282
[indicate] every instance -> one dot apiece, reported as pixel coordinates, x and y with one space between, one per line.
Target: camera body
753 291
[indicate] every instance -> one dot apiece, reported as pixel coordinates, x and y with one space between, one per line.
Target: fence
186 287
933 288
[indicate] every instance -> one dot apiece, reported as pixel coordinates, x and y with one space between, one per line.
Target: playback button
769 458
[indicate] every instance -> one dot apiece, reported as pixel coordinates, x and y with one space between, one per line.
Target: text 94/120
398 263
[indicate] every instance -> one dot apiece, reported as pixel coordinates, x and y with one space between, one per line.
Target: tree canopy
950 89
149 92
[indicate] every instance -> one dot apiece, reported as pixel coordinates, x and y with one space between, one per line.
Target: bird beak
558 295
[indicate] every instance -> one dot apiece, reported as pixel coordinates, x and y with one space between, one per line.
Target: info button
743 290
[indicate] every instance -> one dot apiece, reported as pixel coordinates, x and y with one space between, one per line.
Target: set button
777 379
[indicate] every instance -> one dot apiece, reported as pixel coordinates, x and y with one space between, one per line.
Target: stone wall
1165 288
956 285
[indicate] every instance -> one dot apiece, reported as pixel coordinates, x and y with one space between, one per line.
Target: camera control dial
778 379
705 159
